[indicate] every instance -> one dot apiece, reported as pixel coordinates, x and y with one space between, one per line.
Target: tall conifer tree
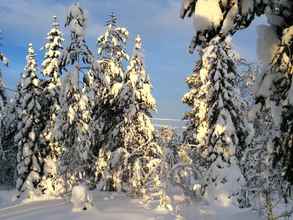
30 149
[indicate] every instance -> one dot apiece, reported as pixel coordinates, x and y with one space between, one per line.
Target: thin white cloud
31 19
169 17
29 15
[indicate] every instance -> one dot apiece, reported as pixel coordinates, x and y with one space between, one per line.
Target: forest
79 126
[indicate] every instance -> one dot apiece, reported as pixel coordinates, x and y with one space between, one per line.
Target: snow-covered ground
110 206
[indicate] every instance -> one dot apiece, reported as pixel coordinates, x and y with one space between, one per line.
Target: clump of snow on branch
208 15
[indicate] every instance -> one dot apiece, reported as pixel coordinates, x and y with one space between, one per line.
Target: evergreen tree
262 178
72 129
30 150
135 163
169 139
3 98
73 132
10 146
7 150
196 98
53 51
220 131
104 82
281 96
231 16
255 155
192 156
257 160
51 92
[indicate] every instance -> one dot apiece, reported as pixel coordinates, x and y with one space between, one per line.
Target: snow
80 198
287 36
229 20
227 182
115 206
76 20
116 88
207 15
6 198
138 42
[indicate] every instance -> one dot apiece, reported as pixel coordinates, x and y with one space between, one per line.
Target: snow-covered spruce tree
257 161
106 82
282 96
8 146
266 190
137 157
169 139
72 132
197 125
72 128
228 17
3 98
263 179
7 150
30 151
51 92
221 132
192 162
254 162
181 165
178 175
53 51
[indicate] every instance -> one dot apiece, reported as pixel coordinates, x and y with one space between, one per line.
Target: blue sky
165 37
